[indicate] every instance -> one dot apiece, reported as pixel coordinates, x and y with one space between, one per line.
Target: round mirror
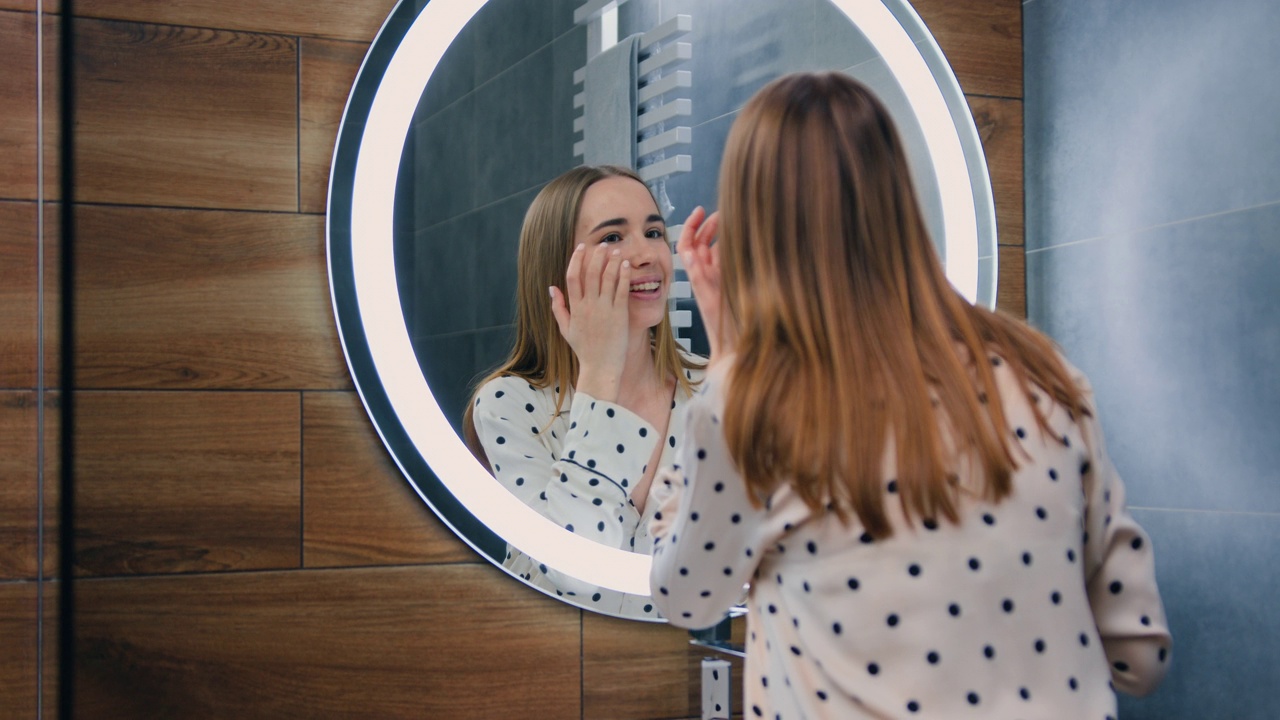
464 109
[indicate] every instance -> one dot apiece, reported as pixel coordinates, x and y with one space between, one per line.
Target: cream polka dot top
576 468
1037 607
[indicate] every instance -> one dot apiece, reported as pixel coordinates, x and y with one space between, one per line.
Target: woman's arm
1120 573
708 536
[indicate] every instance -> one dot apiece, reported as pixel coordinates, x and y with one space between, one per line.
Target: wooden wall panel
643 671
328 70
982 39
358 509
1011 290
999 124
185 117
18 656
18 114
424 642
340 19
19 488
19 248
187 482
204 299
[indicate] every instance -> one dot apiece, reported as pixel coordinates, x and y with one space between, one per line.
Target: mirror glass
464 109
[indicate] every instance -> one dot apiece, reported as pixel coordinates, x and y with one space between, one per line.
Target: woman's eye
611 238
656 234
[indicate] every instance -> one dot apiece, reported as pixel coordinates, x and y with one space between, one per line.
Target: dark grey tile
641 16
454 75
445 146
493 346
1179 330
497 240
838 44
513 127
1219 585
508 31
449 364
443 286
1142 113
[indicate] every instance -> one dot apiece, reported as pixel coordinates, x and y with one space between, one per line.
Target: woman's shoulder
512 389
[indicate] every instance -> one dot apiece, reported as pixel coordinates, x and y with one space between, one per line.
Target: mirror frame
366 301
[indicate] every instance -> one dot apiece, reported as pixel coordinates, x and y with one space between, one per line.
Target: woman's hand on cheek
701 260
593 317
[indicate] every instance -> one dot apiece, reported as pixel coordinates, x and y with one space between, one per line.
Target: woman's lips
646 289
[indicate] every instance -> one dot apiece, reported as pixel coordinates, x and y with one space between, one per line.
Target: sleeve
1120 572
708 538
585 488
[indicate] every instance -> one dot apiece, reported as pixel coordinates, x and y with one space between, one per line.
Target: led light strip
373 267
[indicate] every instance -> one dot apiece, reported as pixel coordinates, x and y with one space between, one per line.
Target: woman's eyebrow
654 218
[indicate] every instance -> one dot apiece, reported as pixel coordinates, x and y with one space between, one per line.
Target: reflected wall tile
1140 114
1177 329
512 124
508 31
449 364
837 42
1220 594
445 148
455 74
493 345
444 280
497 239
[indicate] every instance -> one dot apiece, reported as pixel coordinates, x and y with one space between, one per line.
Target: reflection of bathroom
246 548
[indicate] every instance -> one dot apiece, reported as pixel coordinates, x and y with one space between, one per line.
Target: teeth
645 287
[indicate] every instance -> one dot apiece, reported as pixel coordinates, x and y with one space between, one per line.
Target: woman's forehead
616 198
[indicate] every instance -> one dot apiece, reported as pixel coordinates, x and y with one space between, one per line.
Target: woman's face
619 212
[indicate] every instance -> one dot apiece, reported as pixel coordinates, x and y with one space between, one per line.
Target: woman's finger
596 260
560 311
622 294
573 275
689 232
609 275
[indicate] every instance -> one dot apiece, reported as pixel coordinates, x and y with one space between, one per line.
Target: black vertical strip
66 364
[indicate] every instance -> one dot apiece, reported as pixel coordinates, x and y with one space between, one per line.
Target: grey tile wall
1153 202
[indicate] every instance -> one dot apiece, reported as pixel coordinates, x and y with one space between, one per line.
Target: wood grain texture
1011 283
460 641
340 19
197 299
19 328
18 111
999 124
19 485
643 671
187 482
982 40
18 657
185 117
358 509
328 70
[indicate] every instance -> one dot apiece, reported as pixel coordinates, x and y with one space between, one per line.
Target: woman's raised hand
594 317
702 264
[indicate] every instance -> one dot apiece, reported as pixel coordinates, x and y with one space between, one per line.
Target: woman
915 489
578 418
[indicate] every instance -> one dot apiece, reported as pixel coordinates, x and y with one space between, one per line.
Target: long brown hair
848 331
541 355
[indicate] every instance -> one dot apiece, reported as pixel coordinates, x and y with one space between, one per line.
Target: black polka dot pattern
948 616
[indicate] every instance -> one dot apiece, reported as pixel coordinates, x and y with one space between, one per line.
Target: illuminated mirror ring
367 303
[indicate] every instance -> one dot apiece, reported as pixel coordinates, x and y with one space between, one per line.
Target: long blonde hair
541 355
848 330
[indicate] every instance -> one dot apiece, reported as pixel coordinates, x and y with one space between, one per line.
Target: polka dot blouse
576 469
1037 607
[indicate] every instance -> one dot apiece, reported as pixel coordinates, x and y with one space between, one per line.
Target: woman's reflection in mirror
588 404
915 488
